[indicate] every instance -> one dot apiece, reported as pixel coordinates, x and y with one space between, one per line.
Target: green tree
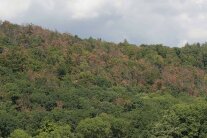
18 133
8 123
183 121
94 128
52 130
119 127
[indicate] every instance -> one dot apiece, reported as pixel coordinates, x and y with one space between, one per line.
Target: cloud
12 8
172 22
85 9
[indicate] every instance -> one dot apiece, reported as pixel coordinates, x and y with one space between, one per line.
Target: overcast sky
171 22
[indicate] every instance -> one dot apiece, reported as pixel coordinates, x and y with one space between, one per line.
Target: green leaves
183 121
103 126
95 89
18 133
94 128
52 130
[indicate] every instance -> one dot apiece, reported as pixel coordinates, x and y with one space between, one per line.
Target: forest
57 85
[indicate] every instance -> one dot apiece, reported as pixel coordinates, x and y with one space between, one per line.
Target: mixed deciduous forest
56 85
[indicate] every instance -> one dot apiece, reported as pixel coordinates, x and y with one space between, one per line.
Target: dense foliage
55 85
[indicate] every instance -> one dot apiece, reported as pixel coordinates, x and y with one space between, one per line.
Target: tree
183 121
1 50
16 59
8 123
52 130
94 128
119 127
18 133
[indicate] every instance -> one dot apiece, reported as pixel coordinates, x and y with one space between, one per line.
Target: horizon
123 41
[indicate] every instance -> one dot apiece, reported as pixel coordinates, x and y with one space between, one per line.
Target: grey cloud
171 22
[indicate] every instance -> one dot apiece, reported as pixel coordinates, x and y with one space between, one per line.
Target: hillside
59 85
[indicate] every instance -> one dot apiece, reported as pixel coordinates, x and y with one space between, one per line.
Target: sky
168 22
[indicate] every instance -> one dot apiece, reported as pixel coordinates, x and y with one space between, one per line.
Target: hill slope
56 85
